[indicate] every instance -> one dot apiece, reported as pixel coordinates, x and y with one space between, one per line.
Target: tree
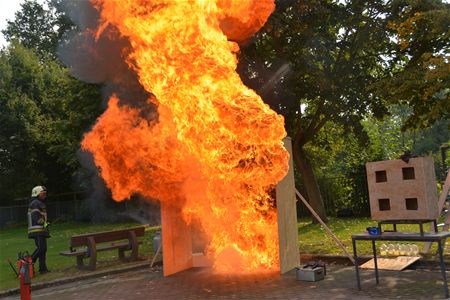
329 52
316 62
39 27
421 60
43 112
340 171
44 109
434 141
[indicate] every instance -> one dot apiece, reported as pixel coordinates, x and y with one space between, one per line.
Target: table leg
444 275
421 229
435 226
356 264
374 249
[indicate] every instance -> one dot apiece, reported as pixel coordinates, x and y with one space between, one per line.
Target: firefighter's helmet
37 190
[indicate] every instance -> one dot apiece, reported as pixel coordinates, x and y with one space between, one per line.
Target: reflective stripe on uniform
36 226
31 227
42 212
36 230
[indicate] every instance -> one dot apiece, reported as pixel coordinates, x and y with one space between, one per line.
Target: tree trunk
309 182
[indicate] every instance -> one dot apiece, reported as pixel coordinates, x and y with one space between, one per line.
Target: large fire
215 148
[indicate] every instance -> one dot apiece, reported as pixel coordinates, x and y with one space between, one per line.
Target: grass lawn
15 239
312 239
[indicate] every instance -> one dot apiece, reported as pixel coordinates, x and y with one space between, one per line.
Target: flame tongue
216 148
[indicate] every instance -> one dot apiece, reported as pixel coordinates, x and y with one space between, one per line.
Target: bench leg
92 253
80 263
122 254
133 245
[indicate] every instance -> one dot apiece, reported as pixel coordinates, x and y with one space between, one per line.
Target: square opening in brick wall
384 204
411 204
380 176
408 173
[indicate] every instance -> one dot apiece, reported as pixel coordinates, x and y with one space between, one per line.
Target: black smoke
102 59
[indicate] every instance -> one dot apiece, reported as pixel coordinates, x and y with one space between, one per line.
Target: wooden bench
87 245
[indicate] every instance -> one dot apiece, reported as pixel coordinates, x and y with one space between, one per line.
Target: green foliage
313 62
340 64
339 61
43 112
333 52
330 67
39 27
429 140
340 168
340 157
435 142
387 136
421 58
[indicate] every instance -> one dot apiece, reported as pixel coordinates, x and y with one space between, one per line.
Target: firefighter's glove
46 224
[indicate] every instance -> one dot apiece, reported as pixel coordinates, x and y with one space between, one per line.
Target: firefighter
38 226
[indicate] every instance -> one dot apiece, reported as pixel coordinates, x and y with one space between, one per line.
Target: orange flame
215 147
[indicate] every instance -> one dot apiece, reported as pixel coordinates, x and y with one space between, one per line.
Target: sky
7 10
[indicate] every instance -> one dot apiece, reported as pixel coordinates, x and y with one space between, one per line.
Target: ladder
441 205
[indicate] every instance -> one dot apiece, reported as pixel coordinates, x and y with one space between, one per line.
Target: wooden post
287 217
338 242
441 204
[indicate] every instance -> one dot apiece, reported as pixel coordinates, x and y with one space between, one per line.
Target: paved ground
340 283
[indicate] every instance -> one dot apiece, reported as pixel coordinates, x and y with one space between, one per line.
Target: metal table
396 222
439 238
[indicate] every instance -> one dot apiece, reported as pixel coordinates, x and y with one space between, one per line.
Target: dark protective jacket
37 219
